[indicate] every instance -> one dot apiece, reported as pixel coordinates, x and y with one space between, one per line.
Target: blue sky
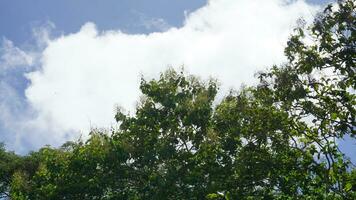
17 17
27 28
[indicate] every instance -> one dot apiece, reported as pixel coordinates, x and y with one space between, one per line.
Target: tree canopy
275 140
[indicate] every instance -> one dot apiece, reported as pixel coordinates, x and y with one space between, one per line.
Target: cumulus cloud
85 74
19 126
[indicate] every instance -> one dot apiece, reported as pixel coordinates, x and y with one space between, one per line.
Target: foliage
276 140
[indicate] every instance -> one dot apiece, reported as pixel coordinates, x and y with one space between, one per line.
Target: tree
317 86
14 173
167 138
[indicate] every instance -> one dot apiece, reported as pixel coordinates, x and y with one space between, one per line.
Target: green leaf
348 186
334 116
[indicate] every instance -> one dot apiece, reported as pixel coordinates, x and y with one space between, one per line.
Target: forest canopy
274 140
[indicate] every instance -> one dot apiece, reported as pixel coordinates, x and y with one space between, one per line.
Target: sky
65 65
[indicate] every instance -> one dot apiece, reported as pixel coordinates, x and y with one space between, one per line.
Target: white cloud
85 74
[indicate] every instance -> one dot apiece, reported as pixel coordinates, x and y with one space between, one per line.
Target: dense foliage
276 140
